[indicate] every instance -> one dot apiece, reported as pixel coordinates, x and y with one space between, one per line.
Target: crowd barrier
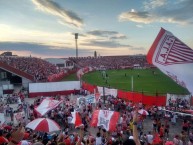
53 88
132 96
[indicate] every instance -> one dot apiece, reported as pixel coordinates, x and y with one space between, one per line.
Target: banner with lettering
90 99
86 100
172 57
105 119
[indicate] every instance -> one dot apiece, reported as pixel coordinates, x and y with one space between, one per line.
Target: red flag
105 118
172 57
76 119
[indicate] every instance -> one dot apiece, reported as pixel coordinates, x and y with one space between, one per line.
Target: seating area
112 62
38 68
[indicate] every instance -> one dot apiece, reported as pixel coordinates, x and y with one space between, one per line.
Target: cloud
109 34
139 26
153 4
40 49
104 39
179 12
139 17
104 43
102 33
66 17
170 11
118 37
137 48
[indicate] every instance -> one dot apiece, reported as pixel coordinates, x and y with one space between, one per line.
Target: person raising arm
135 131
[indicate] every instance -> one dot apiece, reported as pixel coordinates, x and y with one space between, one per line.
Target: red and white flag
97 97
105 118
47 105
172 57
76 119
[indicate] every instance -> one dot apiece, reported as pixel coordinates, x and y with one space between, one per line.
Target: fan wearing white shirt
149 138
98 139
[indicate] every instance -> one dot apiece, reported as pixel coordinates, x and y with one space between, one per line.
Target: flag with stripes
76 119
105 119
172 57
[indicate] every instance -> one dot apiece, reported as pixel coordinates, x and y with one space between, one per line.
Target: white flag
172 57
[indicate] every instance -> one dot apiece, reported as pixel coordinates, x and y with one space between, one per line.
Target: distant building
6 53
61 63
95 54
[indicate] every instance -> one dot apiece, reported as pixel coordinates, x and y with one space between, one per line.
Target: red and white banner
112 92
172 57
47 105
105 118
76 119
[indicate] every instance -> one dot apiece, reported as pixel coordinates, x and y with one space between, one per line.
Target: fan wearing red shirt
67 141
2 138
161 131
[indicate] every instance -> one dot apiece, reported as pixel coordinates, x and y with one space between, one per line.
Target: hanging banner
86 100
90 99
172 98
2 118
112 92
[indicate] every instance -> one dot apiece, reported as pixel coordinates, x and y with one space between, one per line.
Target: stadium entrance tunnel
15 80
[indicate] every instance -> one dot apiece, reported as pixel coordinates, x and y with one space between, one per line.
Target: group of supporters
112 62
38 68
41 69
131 128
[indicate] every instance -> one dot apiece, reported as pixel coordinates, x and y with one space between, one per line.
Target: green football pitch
148 81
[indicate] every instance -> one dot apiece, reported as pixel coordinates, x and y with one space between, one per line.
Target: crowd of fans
38 68
129 130
41 69
112 62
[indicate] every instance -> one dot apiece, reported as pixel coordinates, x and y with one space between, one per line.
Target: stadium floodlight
76 39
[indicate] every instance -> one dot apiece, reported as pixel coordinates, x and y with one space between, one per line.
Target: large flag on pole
105 118
172 57
47 105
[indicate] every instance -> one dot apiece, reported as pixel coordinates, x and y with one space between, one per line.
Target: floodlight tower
76 39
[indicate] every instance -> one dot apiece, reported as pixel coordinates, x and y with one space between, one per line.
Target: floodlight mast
76 39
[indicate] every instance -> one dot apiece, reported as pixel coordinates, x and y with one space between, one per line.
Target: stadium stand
112 62
36 67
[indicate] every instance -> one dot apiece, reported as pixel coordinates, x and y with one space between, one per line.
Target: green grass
71 77
147 82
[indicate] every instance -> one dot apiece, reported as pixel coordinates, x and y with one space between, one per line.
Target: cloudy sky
45 28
